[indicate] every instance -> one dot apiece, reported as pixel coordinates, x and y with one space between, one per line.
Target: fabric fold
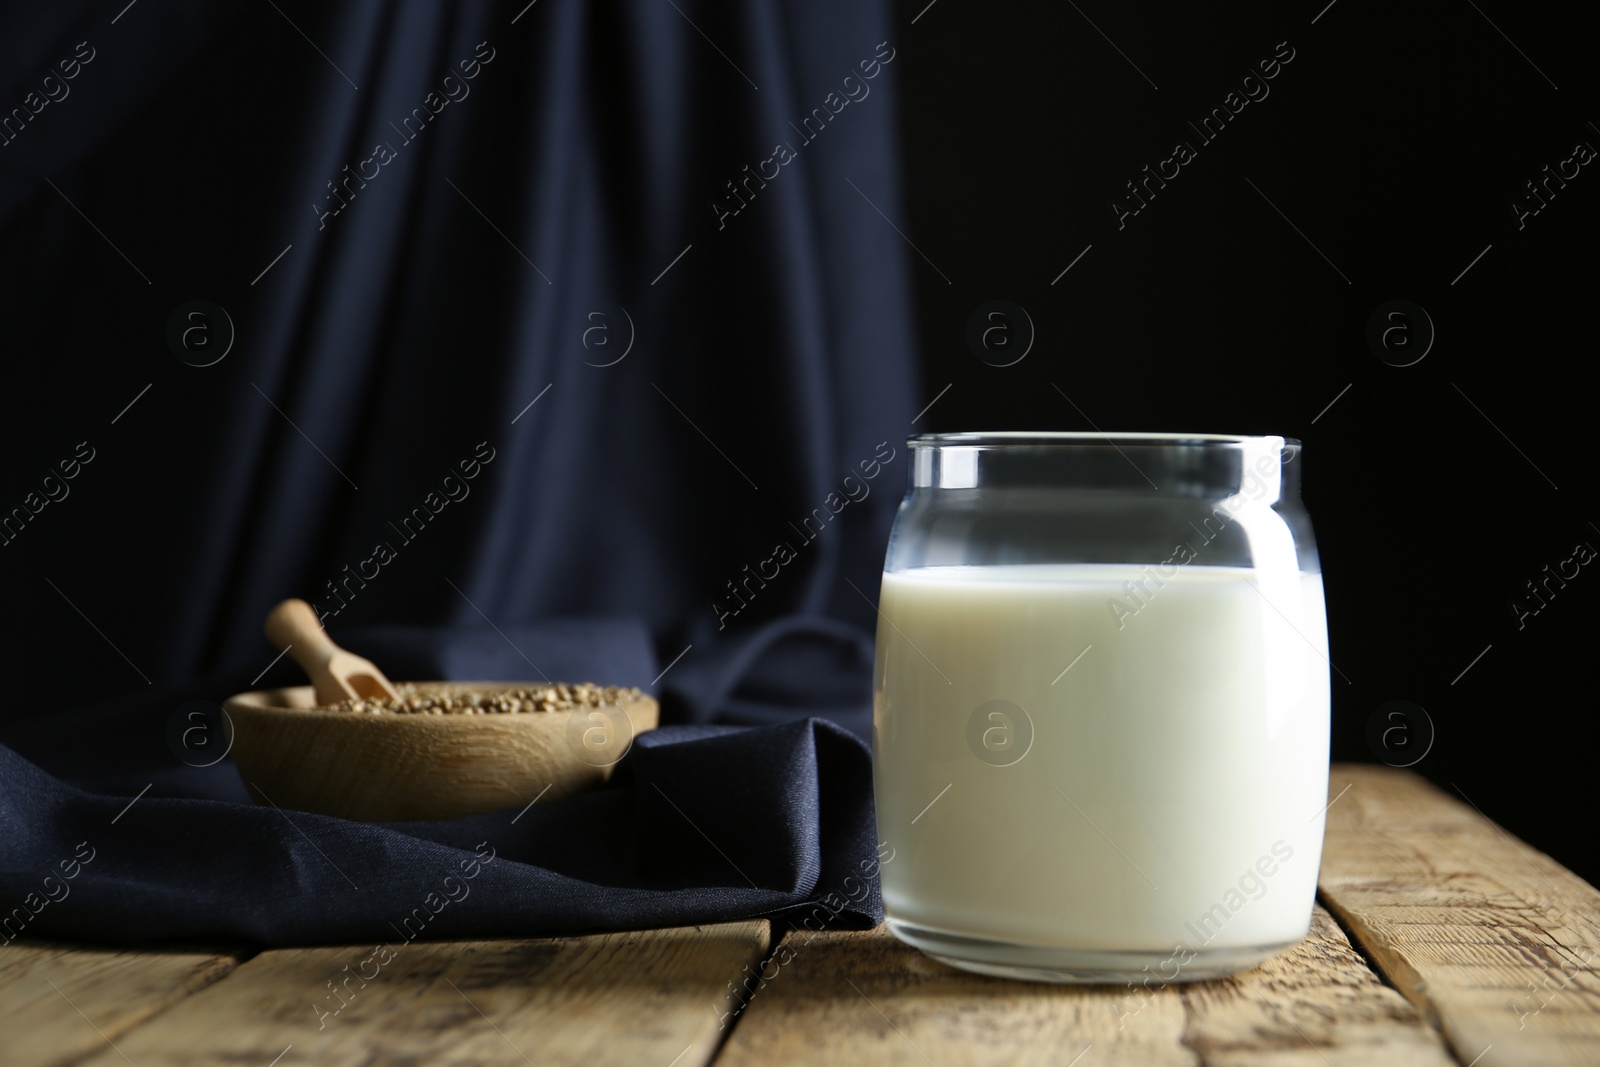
700 824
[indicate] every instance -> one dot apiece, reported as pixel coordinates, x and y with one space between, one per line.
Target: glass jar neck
1260 470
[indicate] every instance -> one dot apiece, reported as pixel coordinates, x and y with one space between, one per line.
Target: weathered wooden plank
60 1004
636 998
864 998
1317 1003
1495 941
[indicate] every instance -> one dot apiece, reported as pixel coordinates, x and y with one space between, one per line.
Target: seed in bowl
477 700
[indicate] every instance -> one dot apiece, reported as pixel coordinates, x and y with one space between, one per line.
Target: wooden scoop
335 674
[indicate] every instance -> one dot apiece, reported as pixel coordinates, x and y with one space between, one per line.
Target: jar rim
1049 438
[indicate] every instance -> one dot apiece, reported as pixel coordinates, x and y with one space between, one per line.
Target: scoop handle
293 626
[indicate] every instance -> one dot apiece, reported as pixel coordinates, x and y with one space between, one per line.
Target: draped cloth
568 339
663 847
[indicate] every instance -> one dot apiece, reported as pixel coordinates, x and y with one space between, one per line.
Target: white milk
1173 788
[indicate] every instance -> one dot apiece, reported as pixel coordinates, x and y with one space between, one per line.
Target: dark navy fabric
702 824
413 424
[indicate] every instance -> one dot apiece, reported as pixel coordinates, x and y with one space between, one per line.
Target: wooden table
1439 939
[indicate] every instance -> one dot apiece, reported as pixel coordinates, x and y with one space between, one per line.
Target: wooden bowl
403 767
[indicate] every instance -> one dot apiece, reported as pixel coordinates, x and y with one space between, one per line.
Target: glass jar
1100 730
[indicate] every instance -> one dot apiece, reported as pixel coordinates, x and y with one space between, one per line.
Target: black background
1396 141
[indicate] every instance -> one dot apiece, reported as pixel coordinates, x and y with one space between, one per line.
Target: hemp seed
453 699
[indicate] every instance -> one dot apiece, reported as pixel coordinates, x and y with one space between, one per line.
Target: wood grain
651 998
60 1004
1491 938
864 998
395 768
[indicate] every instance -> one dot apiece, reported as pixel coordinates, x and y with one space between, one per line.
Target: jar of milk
1101 705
